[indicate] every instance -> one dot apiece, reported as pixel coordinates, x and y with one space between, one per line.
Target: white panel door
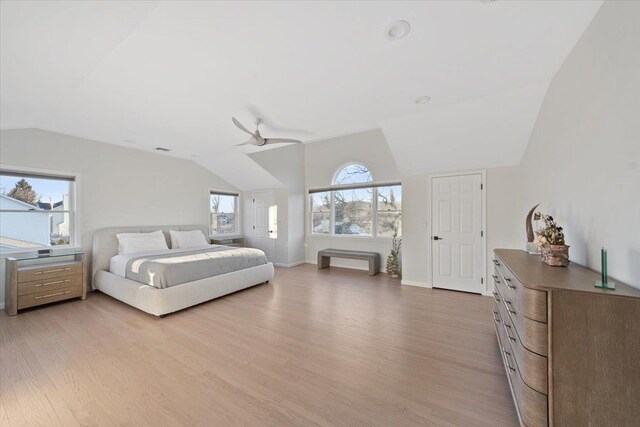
456 245
264 222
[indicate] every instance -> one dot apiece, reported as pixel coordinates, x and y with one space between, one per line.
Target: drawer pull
508 281
496 279
52 295
509 307
495 316
57 270
495 261
52 283
495 296
508 334
511 368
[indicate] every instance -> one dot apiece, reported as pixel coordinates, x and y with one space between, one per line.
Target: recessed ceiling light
161 149
129 141
398 30
423 99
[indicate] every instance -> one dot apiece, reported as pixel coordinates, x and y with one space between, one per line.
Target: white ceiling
172 74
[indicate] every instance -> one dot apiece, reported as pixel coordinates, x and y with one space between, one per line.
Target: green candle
603 255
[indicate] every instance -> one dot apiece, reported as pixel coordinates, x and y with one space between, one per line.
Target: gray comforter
163 271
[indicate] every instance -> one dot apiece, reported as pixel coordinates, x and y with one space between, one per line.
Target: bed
192 279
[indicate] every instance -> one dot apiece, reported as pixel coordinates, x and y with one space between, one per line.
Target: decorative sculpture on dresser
531 247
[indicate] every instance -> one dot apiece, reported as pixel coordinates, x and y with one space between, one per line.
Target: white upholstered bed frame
163 301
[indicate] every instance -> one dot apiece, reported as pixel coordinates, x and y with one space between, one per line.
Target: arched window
352 173
355 205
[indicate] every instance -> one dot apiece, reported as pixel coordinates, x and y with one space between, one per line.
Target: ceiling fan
257 139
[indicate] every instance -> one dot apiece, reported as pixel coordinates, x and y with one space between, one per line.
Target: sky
49 190
227 204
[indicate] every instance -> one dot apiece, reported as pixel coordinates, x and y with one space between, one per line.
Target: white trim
2 305
291 264
75 240
415 283
483 210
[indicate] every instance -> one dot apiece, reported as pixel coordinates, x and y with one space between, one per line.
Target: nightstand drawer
49 285
38 273
39 298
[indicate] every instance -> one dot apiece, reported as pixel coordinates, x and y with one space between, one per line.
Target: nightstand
237 241
32 280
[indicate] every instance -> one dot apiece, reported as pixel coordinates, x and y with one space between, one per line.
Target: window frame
73 178
349 163
311 212
377 210
237 208
332 189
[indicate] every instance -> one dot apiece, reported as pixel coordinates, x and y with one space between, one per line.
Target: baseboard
293 264
415 283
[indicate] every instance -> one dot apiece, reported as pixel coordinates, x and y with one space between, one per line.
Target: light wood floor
329 347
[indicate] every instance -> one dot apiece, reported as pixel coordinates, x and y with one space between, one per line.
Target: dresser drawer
532 334
532 366
37 273
50 284
531 302
31 300
532 406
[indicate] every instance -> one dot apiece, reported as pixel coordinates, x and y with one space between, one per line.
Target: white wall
286 164
505 224
322 160
583 159
117 185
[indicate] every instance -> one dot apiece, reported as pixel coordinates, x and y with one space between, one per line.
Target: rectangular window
354 211
36 211
389 210
320 212
224 213
357 210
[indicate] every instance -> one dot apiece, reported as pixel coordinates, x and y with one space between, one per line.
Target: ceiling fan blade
281 141
241 126
249 142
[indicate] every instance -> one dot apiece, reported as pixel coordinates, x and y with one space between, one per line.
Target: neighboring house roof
15 243
47 206
19 203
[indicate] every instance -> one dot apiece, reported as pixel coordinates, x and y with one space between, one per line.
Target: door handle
437 238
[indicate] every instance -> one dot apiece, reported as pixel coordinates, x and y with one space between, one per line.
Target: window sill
13 254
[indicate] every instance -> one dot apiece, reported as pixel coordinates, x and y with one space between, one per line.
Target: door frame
483 211
253 217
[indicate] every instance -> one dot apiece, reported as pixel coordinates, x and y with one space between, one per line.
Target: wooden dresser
571 351
33 281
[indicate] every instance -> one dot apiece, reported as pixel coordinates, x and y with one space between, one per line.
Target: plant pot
555 255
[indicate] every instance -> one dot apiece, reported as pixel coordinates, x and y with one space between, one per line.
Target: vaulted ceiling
145 74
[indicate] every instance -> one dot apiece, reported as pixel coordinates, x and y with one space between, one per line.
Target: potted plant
393 260
550 240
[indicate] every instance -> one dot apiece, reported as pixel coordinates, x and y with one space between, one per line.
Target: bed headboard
105 242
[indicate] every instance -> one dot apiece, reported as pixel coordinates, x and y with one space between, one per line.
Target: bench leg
323 262
374 266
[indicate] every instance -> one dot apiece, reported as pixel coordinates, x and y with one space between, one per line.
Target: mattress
167 268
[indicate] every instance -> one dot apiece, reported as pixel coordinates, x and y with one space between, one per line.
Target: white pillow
129 243
187 239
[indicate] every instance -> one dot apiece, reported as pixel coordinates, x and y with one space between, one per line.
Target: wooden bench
324 258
